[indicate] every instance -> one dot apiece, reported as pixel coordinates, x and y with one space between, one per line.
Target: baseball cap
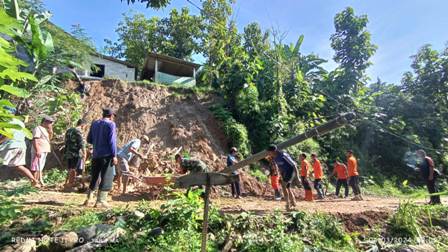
48 118
108 112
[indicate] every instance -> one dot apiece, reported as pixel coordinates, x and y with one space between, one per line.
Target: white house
109 67
169 70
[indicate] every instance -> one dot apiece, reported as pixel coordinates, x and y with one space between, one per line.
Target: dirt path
229 205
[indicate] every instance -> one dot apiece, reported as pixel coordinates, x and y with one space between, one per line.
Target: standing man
125 155
340 171
231 160
41 147
103 137
304 172
353 175
318 175
75 151
428 173
13 150
288 171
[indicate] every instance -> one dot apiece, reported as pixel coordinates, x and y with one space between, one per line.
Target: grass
76 222
259 175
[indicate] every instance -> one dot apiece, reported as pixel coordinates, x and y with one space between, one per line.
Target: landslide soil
172 118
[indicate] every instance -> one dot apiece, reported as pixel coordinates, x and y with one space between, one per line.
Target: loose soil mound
172 119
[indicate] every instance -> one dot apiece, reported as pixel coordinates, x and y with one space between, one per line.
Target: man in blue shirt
125 155
288 172
231 160
103 137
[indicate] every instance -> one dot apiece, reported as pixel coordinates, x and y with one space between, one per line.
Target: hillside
172 118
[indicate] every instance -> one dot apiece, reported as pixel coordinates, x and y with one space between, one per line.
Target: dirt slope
170 119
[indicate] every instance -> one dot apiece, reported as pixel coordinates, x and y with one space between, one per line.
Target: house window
98 70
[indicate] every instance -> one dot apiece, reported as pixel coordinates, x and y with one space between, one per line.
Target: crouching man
190 165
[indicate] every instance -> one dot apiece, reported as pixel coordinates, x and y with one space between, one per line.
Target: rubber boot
89 197
277 195
309 195
101 201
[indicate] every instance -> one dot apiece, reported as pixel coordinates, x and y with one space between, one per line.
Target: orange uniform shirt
317 168
340 171
304 168
352 166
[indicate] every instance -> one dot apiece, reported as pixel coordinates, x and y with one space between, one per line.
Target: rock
101 240
423 248
417 248
88 233
139 214
156 231
28 245
62 241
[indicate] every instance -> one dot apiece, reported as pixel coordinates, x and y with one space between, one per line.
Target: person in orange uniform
304 171
318 175
353 175
340 171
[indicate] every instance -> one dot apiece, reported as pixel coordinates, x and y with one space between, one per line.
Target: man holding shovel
125 155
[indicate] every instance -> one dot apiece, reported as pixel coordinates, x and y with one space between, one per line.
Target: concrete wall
113 69
173 79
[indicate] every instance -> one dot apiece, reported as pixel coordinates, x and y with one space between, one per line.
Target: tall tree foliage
353 50
176 35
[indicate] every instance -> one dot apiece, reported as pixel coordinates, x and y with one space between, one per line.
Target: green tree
181 32
353 50
137 36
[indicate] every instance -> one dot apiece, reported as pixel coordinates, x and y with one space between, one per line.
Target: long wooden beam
320 130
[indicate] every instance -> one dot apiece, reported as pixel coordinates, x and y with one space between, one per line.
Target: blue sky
398 27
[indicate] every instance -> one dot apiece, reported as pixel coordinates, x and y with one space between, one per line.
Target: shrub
234 131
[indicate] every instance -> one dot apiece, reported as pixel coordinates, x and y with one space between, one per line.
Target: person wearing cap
353 175
318 175
125 155
75 151
13 150
231 160
288 172
41 146
103 136
340 171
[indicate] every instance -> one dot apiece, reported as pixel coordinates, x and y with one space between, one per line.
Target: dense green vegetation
176 226
276 91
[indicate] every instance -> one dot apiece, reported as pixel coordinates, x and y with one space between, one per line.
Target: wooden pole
205 221
320 130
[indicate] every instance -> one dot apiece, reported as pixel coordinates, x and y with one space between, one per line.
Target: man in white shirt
125 155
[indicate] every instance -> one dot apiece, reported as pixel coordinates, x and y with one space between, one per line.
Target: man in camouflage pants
75 152
190 165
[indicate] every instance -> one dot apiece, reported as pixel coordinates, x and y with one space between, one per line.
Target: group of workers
105 157
13 149
282 164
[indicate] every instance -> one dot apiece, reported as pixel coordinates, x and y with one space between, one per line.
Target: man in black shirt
426 166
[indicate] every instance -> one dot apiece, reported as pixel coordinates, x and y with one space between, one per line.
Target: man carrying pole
340 171
353 175
304 172
318 175
288 171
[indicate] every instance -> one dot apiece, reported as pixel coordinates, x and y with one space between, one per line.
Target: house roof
172 59
99 55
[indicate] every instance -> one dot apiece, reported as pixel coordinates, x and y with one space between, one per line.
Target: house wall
173 79
114 69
